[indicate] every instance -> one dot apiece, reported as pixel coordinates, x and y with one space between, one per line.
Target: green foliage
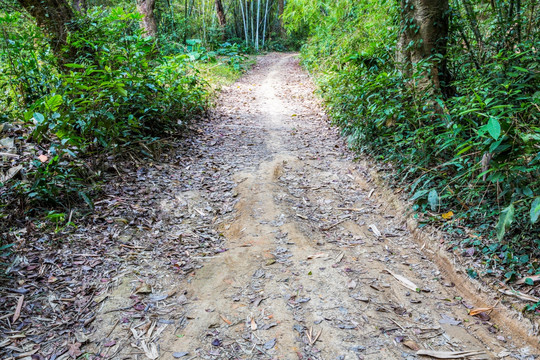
535 210
121 92
505 220
474 151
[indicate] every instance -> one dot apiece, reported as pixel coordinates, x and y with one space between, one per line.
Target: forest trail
307 245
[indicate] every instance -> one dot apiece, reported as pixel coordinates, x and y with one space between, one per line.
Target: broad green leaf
121 90
39 117
433 199
419 194
520 68
494 128
74 66
54 102
505 219
535 210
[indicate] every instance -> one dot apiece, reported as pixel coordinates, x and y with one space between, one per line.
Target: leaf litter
122 285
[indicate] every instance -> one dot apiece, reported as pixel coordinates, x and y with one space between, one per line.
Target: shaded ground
257 238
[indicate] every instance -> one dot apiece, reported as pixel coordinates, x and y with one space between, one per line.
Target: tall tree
281 7
221 17
424 33
57 20
146 9
220 14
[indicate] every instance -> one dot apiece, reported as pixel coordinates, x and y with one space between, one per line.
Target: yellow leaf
448 215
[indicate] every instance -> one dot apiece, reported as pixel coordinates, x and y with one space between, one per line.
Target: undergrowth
61 124
472 168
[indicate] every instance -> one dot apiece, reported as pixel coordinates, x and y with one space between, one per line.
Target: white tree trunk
265 17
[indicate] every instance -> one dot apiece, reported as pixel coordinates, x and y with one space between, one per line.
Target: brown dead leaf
43 158
144 288
411 345
477 311
225 319
74 350
18 308
253 324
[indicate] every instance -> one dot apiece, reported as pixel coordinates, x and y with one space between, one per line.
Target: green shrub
121 92
478 158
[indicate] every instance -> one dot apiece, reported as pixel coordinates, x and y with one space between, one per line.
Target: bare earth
302 255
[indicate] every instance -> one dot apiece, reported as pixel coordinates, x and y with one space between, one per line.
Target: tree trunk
258 25
146 9
221 18
281 7
220 14
424 33
56 19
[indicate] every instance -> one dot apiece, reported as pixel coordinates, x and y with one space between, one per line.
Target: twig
334 225
132 246
9 155
395 322
114 327
118 309
350 209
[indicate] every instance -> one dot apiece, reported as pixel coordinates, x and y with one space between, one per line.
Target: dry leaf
404 281
317 256
151 351
375 230
144 288
10 173
448 215
74 350
225 319
411 345
43 158
477 311
534 278
253 324
520 295
18 308
450 354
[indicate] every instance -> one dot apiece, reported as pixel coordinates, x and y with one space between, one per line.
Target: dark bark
424 34
220 14
146 9
221 18
57 20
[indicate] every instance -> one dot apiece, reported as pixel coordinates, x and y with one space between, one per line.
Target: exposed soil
259 237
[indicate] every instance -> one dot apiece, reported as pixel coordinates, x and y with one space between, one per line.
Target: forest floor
257 237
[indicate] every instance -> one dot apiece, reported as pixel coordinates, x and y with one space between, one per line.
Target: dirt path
306 249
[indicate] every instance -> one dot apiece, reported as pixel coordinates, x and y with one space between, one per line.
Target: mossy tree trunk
146 9
424 34
57 19
221 18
